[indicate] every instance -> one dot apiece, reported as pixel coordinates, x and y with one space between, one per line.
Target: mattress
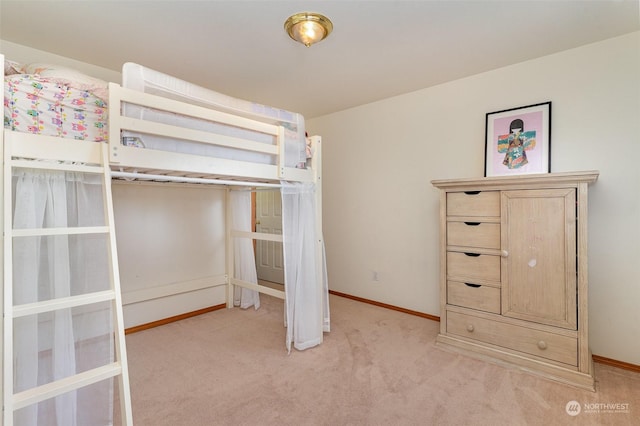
144 79
39 105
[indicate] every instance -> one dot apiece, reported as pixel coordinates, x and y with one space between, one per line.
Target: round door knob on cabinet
470 328
542 345
504 253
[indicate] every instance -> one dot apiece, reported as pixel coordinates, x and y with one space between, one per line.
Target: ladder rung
262 236
42 232
42 147
62 303
50 165
53 389
259 288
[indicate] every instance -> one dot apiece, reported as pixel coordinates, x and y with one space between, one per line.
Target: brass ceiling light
308 27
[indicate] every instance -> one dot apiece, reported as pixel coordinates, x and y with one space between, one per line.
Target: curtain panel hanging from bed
307 314
244 258
55 345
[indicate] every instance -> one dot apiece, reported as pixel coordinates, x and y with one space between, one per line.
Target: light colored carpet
376 367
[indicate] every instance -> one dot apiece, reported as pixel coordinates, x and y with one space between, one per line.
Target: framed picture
518 141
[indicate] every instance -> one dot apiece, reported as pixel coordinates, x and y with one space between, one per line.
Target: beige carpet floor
376 367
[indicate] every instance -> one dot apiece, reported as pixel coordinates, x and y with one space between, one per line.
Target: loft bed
153 128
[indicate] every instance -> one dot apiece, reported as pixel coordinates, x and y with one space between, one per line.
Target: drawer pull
472 223
542 345
472 285
472 192
472 254
470 328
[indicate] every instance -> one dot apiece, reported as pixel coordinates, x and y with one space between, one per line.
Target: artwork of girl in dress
516 144
518 141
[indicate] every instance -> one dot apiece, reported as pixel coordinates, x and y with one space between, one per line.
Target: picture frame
518 141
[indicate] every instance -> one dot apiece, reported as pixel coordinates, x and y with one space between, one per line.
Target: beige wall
169 235
25 55
381 213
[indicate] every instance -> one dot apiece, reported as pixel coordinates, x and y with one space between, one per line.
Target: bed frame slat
164 104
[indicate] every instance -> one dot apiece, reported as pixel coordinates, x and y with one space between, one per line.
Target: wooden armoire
513 276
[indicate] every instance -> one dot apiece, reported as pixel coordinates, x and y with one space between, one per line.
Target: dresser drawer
477 203
474 296
535 342
473 265
473 234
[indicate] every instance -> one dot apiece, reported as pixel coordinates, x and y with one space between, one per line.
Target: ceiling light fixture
308 27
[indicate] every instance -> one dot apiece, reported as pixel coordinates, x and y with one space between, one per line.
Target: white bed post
2 250
316 165
115 106
118 315
229 274
281 153
2 279
7 288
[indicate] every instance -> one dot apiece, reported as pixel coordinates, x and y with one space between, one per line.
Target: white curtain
244 257
54 345
307 314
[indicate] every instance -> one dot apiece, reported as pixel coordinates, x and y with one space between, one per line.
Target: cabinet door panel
538 234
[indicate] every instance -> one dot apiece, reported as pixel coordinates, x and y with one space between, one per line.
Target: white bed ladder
16 155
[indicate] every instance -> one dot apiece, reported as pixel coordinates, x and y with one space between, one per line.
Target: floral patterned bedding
39 105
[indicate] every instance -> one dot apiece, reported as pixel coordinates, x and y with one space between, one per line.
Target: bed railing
129 158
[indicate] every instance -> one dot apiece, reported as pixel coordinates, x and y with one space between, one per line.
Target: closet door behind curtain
54 345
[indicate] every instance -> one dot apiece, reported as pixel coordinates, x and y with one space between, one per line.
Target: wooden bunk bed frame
116 160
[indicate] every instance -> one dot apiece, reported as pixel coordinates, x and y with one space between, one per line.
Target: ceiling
378 49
